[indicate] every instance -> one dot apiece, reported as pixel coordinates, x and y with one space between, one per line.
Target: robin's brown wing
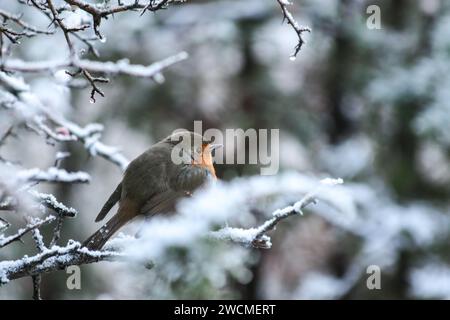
163 202
183 180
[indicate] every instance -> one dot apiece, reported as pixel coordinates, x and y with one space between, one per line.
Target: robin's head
194 148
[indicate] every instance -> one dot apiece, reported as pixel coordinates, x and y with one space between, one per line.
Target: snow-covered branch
25 102
50 260
98 13
37 223
53 175
49 201
88 67
121 67
257 237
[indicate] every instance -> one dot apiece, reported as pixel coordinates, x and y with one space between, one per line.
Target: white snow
431 281
53 175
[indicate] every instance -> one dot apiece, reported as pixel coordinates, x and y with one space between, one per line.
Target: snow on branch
196 217
37 223
53 175
50 260
121 67
88 67
299 30
49 201
98 13
257 237
52 124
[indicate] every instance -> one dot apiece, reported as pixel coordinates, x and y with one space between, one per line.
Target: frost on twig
4 241
98 13
53 175
50 260
37 279
53 125
49 201
88 67
257 237
299 30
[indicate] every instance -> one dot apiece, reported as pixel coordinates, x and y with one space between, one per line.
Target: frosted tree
77 24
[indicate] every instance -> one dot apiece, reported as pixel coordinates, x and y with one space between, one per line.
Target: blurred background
369 106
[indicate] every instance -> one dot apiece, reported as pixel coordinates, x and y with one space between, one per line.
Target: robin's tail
113 199
102 235
125 214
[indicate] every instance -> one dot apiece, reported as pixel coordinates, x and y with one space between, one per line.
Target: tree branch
257 237
36 287
66 131
299 30
53 175
50 260
49 201
31 226
122 67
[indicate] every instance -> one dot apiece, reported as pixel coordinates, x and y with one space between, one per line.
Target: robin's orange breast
206 160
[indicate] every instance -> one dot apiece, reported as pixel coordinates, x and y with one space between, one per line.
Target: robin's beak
215 146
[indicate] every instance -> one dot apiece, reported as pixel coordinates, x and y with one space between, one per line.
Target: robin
153 182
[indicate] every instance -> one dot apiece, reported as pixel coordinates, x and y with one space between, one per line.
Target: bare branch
63 27
37 287
8 133
17 19
37 237
294 24
98 14
4 224
13 35
155 5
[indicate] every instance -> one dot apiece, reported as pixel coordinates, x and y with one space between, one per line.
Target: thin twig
37 224
297 28
37 237
18 20
257 236
36 287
